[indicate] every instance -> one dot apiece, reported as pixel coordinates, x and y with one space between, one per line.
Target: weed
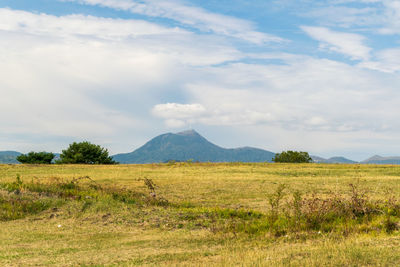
154 199
151 186
275 200
15 187
359 201
390 225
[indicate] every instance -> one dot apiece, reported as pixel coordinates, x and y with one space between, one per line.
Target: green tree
292 157
85 153
36 158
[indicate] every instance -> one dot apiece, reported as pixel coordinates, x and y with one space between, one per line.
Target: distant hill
317 159
190 145
341 160
56 157
9 157
382 160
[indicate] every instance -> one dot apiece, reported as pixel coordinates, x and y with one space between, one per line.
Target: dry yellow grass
94 239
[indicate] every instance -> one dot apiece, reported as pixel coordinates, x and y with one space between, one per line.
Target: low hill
190 145
9 157
382 160
317 159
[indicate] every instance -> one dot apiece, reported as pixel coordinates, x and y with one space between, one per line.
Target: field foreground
200 214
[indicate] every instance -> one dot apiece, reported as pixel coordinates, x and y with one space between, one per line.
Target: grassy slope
118 236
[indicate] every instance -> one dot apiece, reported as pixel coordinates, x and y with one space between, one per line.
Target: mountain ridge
344 160
190 145
9 157
382 160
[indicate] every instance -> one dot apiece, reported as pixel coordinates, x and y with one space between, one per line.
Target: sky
318 76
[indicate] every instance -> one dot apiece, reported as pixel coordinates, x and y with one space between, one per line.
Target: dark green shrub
292 157
85 153
36 158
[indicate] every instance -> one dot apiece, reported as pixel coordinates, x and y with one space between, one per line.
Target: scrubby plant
329 213
275 201
151 186
19 199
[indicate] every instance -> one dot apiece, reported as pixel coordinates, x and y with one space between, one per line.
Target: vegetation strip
288 214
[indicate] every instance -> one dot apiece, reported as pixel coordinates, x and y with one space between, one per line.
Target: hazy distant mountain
9 157
190 145
340 160
382 160
317 159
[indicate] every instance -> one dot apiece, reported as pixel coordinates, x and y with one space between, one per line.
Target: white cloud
178 111
139 39
62 75
192 16
178 115
305 94
173 123
79 25
387 60
373 16
344 16
349 44
309 95
316 121
391 17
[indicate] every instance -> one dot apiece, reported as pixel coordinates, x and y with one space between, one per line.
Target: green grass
199 214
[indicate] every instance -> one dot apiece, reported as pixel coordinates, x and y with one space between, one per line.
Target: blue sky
320 76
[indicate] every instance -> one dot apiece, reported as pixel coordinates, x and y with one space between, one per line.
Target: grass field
200 214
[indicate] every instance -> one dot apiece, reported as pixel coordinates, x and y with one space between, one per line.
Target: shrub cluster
36 158
331 213
292 157
85 153
76 153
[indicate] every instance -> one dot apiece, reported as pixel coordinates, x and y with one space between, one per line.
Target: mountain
372 160
190 145
382 160
9 157
317 159
341 160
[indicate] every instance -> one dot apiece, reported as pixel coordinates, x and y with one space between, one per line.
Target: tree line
76 153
